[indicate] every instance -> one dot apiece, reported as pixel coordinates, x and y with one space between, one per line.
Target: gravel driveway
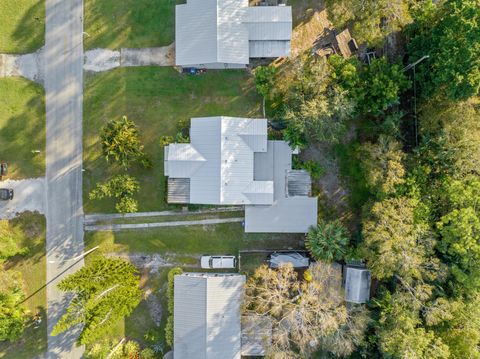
29 195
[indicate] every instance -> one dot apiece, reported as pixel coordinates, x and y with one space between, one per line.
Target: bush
170 295
165 140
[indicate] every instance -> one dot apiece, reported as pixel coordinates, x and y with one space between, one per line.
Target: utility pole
406 68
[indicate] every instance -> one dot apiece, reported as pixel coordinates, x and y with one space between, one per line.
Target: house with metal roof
207 321
220 34
230 161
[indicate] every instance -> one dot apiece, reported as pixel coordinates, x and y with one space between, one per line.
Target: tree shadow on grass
22 134
31 29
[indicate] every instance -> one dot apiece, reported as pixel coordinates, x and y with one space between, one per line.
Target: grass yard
33 269
22 24
115 24
156 99
22 127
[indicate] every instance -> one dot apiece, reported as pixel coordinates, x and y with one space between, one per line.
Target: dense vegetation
414 173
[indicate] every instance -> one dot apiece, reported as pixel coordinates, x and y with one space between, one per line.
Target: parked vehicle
218 262
193 70
296 259
3 169
6 194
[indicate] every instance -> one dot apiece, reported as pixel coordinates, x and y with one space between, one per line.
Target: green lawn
156 99
129 23
33 269
22 127
22 25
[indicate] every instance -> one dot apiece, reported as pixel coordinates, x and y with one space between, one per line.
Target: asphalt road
64 211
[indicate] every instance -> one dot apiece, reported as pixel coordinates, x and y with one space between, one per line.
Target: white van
218 262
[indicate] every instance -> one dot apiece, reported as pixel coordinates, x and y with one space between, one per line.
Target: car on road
218 262
296 259
6 194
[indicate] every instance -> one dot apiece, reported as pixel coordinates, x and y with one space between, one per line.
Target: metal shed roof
207 315
357 285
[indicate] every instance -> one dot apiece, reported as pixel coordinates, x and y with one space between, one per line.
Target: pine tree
104 291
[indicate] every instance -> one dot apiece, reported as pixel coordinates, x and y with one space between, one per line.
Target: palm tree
328 241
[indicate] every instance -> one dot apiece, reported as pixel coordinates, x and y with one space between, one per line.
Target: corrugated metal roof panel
270 14
270 31
232 35
207 315
357 285
196 32
299 183
266 48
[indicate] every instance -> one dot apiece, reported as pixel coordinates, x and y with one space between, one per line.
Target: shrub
170 295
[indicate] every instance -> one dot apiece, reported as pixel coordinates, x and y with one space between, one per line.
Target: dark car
3 169
6 194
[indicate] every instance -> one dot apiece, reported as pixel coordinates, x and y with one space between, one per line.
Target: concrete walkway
98 60
29 195
30 66
120 227
63 55
89 218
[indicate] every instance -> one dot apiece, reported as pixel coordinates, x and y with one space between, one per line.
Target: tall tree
307 315
382 164
372 19
380 87
12 314
121 187
451 37
459 228
103 292
401 334
121 142
10 237
394 245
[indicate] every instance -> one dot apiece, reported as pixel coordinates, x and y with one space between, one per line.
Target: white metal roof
269 23
207 315
219 31
223 170
183 160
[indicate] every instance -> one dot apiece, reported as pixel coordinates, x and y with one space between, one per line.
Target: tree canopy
450 35
121 187
121 142
103 292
